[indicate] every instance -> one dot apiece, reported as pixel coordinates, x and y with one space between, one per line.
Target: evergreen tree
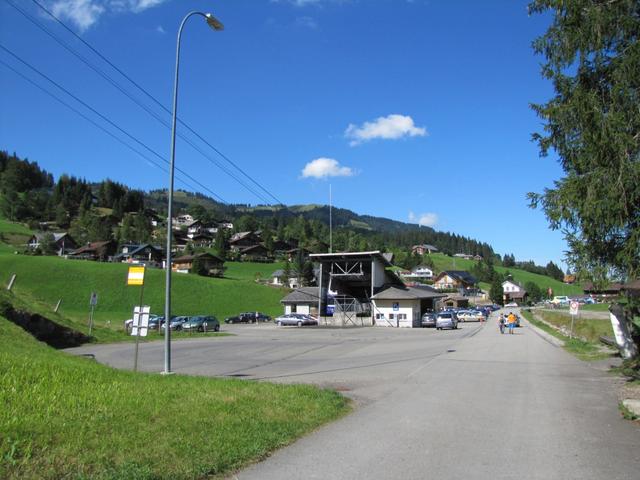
198 267
534 291
48 244
593 124
496 292
220 245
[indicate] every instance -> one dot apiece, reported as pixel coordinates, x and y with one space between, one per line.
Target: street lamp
215 24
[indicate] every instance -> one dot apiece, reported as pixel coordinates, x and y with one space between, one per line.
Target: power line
122 90
94 123
155 100
109 121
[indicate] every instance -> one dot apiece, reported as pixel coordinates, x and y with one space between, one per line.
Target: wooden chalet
255 253
64 243
212 264
97 251
243 240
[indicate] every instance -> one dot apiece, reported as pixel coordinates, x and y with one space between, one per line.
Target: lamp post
216 25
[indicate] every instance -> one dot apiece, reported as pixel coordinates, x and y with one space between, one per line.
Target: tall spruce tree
592 122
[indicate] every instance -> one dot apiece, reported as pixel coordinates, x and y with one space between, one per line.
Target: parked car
446 320
511 305
152 325
248 317
428 320
154 320
560 300
234 319
176 323
473 316
201 323
298 319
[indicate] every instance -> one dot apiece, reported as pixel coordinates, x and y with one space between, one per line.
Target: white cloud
161 30
424 219
85 13
390 127
299 3
326 167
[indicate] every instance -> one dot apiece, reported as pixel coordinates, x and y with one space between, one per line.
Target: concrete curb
544 335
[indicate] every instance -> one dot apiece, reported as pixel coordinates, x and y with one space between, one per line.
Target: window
391 316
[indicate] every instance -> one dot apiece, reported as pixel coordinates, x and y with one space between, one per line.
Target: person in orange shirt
511 320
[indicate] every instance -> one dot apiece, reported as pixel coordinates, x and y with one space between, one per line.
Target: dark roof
612 287
332 257
296 249
635 285
190 258
407 293
138 249
426 246
92 247
40 236
520 294
308 295
460 275
242 235
252 248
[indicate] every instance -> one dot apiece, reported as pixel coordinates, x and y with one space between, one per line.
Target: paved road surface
446 405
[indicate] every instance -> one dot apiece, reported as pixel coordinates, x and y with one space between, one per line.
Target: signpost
135 276
574 309
93 301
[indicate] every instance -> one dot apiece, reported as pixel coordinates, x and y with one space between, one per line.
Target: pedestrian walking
511 319
501 323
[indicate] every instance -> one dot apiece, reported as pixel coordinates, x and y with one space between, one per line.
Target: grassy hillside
444 262
69 417
42 281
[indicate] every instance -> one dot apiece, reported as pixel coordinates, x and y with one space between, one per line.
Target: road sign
135 276
141 321
574 308
93 301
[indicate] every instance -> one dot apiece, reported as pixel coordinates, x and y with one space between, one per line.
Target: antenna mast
330 223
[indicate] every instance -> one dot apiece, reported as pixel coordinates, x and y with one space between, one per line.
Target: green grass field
43 281
588 347
444 262
69 417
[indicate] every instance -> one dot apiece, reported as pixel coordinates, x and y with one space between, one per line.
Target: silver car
447 320
298 319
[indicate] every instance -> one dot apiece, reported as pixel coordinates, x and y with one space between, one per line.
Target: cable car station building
360 290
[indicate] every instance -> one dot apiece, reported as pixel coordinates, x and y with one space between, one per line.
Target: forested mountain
95 211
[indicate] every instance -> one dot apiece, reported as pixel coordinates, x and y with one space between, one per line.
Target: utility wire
106 119
122 90
154 99
94 123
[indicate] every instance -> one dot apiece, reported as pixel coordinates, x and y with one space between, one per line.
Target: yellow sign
135 276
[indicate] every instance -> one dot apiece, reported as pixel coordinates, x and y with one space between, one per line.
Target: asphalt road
469 403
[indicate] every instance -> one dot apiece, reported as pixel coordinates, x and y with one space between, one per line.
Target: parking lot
422 397
362 362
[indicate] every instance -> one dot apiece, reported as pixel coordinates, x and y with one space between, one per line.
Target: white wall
408 309
510 287
299 309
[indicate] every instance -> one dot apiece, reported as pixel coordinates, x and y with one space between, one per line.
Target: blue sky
412 110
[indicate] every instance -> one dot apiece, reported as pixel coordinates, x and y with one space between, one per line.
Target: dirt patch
44 329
